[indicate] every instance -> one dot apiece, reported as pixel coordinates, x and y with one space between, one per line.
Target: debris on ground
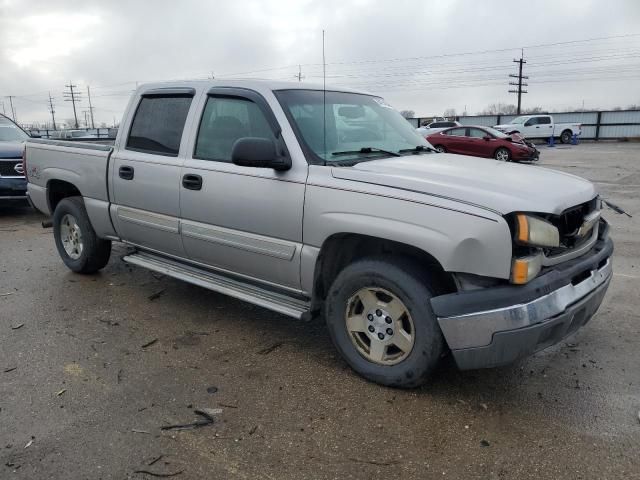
6 294
155 296
135 430
119 376
162 475
149 343
16 327
30 442
212 389
484 443
61 392
228 405
111 323
484 406
155 460
268 350
10 369
206 413
376 462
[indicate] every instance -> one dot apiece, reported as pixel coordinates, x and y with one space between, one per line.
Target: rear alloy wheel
78 245
440 148
503 155
565 137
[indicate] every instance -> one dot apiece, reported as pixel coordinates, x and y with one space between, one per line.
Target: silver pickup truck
328 203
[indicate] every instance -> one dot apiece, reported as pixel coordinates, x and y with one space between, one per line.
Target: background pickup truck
540 126
248 188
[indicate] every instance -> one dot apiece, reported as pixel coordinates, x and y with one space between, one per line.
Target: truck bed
54 163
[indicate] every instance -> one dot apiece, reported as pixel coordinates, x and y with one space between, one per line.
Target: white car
540 126
435 127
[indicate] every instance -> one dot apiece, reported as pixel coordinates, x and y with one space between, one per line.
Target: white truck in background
540 126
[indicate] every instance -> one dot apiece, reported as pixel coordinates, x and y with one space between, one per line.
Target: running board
262 297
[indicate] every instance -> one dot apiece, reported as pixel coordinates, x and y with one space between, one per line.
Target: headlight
525 268
536 232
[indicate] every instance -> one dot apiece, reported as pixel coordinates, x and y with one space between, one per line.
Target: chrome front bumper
524 320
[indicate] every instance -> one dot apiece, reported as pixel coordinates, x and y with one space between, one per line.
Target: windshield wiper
418 149
367 150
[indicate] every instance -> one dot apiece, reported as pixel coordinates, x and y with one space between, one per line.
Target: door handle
192 182
537 127
126 172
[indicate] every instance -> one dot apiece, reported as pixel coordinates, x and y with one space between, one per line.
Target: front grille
7 168
569 223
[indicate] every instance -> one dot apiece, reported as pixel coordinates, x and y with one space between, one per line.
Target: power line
90 106
52 110
520 83
73 97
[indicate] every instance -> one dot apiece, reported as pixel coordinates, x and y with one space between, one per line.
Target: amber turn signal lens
522 233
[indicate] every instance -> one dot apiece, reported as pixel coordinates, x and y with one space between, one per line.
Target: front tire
502 155
380 319
77 243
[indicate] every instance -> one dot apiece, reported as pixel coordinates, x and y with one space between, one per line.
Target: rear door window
158 124
477 133
544 120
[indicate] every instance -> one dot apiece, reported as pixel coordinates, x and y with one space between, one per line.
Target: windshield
519 120
358 126
10 132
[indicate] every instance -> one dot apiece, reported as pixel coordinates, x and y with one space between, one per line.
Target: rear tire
380 319
440 148
502 155
565 136
77 243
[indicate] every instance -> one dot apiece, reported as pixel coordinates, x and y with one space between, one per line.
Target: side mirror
258 153
487 137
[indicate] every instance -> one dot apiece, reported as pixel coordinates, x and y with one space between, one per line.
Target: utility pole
73 97
519 83
13 110
53 111
299 75
90 107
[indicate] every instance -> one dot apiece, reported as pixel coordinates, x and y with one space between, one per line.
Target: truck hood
11 149
497 186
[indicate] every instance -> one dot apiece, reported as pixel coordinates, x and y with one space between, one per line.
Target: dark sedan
13 185
483 142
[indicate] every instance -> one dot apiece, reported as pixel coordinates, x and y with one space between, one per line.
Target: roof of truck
251 83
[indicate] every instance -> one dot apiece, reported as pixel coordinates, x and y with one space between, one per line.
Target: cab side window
158 124
544 120
225 120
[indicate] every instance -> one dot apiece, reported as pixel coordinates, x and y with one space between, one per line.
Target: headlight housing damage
536 232
531 233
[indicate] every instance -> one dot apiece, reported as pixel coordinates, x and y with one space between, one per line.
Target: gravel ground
81 396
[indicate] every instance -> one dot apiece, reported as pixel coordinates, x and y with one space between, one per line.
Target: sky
424 55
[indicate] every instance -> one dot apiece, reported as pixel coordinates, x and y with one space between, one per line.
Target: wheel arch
57 190
341 249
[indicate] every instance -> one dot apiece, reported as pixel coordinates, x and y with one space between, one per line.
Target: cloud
112 45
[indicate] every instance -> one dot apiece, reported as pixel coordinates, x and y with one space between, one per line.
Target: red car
483 142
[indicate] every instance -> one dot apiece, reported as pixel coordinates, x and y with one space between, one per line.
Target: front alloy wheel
379 326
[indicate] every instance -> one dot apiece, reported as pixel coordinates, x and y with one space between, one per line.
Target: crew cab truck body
540 126
250 189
